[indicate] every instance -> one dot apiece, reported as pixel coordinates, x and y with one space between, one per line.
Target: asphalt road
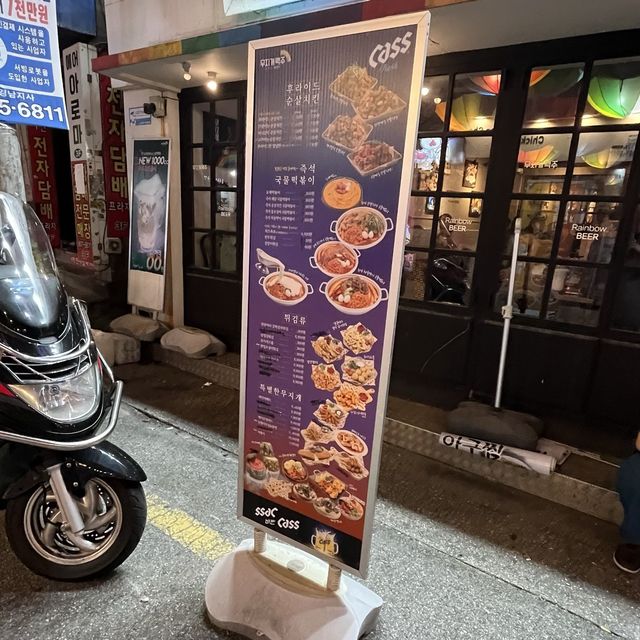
454 556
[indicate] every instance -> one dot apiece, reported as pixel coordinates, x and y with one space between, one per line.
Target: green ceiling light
614 98
465 112
605 158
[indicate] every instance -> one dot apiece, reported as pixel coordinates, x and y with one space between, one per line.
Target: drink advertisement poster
333 118
31 89
149 205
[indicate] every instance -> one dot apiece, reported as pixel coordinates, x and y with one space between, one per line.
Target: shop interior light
537 75
488 85
464 112
605 158
554 82
425 91
186 67
541 155
212 83
613 97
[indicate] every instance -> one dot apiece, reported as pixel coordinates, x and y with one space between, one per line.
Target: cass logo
266 513
382 53
294 525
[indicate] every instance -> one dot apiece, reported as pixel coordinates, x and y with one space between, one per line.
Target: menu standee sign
44 187
114 160
85 143
333 121
149 205
31 90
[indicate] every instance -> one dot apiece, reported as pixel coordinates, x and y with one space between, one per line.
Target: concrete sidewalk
454 556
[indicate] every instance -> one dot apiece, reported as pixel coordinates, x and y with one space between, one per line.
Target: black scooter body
24 467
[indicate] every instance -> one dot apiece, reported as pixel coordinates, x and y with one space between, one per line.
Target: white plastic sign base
281 595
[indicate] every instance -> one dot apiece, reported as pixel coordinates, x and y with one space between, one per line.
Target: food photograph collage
340 285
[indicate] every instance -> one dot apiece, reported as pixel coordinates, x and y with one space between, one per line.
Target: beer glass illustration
325 542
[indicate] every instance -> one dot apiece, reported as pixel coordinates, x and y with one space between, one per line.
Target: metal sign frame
420 21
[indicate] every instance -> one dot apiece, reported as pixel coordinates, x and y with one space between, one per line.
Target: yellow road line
187 531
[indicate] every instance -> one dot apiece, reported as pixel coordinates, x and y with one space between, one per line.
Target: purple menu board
331 132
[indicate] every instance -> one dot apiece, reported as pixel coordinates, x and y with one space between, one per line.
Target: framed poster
470 174
149 205
331 131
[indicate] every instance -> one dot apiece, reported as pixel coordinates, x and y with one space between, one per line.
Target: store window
451 164
577 146
614 93
214 189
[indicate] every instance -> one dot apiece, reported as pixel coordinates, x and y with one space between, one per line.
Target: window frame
187 99
515 63
432 250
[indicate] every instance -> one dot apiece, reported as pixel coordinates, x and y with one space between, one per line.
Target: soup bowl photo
361 227
285 288
335 258
353 294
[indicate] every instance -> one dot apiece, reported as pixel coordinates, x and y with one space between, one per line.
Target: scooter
74 504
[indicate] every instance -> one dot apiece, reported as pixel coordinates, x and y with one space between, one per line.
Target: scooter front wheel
114 514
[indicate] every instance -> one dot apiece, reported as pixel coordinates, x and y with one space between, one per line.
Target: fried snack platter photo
348 132
353 83
372 103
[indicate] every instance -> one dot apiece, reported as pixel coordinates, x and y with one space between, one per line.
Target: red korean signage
114 159
45 190
82 212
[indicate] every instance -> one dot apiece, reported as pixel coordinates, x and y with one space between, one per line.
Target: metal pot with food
361 227
353 294
285 287
335 259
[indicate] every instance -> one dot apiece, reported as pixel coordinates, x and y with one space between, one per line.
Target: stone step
584 482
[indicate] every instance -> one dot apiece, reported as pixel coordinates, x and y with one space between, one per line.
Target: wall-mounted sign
332 125
85 144
149 205
31 90
138 118
44 186
82 211
114 159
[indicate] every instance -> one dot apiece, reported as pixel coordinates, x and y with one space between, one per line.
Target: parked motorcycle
74 504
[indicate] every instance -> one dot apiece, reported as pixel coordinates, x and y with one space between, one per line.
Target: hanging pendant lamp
489 85
540 156
614 98
465 111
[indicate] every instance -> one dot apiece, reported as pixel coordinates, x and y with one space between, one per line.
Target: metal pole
333 578
259 541
507 312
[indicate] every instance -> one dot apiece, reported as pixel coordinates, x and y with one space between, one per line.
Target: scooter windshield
32 300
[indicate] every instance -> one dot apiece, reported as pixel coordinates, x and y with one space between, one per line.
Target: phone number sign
31 89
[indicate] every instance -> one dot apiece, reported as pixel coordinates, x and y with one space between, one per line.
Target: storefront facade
545 131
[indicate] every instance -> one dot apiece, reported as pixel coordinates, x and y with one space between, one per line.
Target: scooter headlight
66 401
